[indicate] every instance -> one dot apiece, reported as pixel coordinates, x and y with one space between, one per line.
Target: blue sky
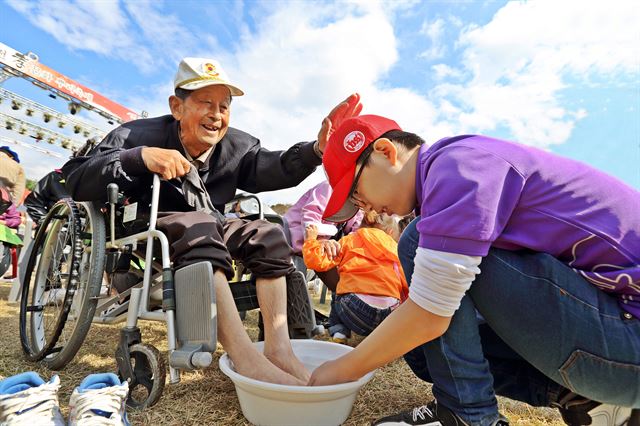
563 76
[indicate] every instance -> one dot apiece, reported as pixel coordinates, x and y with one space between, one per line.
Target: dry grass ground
208 397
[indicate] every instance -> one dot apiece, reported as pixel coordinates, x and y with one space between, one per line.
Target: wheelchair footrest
190 357
300 315
196 316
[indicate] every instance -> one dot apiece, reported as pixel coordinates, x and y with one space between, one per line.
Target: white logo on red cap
354 141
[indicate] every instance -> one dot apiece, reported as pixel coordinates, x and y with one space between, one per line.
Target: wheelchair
63 293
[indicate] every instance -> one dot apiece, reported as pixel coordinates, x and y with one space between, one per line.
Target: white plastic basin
266 404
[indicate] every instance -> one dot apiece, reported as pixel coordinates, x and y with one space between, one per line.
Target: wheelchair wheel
62 283
149 373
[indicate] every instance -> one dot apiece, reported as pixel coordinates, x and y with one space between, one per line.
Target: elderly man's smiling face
203 116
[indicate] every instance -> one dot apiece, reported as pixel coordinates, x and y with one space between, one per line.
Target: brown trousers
197 236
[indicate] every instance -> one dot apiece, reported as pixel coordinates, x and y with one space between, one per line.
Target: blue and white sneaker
100 399
25 399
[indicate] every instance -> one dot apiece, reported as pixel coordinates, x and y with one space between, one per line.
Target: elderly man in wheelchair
202 162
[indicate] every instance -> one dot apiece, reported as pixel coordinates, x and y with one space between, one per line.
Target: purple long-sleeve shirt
309 209
476 192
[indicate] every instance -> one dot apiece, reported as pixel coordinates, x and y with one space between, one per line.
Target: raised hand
348 108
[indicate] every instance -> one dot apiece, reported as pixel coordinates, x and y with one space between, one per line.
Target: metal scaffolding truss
5 141
7 72
38 133
88 130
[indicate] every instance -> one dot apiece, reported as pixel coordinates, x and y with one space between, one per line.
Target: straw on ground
208 397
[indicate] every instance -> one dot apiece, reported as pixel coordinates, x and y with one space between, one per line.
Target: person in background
12 174
51 187
44 195
308 211
11 218
371 283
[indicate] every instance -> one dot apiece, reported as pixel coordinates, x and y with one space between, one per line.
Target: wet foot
258 367
287 361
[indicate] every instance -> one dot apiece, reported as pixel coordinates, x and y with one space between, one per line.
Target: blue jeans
546 329
350 313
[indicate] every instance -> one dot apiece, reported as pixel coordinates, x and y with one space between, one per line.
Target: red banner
64 84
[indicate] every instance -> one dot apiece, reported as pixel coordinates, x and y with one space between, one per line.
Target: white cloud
141 33
96 26
434 32
164 30
530 51
442 71
455 21
295 70
304 57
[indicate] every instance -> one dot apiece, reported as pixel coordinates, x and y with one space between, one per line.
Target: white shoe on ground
99 400
25 399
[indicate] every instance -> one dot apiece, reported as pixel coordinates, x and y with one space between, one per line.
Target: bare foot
260 368
286 360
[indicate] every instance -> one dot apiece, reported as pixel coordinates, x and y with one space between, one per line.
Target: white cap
196 73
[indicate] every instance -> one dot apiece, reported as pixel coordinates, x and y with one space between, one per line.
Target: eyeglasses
359 203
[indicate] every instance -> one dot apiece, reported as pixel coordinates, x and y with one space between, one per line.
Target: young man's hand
394 337
168 163
348 108
330 373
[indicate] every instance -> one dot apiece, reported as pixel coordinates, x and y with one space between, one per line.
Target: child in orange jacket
371 283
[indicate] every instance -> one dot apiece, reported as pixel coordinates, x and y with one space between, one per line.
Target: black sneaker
431 414
575 409
580 411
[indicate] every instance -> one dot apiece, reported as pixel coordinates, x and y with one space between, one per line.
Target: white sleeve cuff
441 279
324 229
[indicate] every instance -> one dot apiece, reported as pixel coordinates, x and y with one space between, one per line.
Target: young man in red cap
545 248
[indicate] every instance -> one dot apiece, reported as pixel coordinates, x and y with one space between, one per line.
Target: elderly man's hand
348 108
168 163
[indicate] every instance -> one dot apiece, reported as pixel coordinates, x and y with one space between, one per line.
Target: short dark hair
399 137
184 93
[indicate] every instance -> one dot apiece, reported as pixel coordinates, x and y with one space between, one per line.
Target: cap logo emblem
354 141
210 70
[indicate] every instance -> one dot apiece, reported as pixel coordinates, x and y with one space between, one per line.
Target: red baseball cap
343 149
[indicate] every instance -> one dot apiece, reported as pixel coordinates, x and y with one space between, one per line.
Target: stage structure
28 67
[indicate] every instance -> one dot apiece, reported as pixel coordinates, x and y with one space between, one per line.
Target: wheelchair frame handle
155 199
112 198
247 196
